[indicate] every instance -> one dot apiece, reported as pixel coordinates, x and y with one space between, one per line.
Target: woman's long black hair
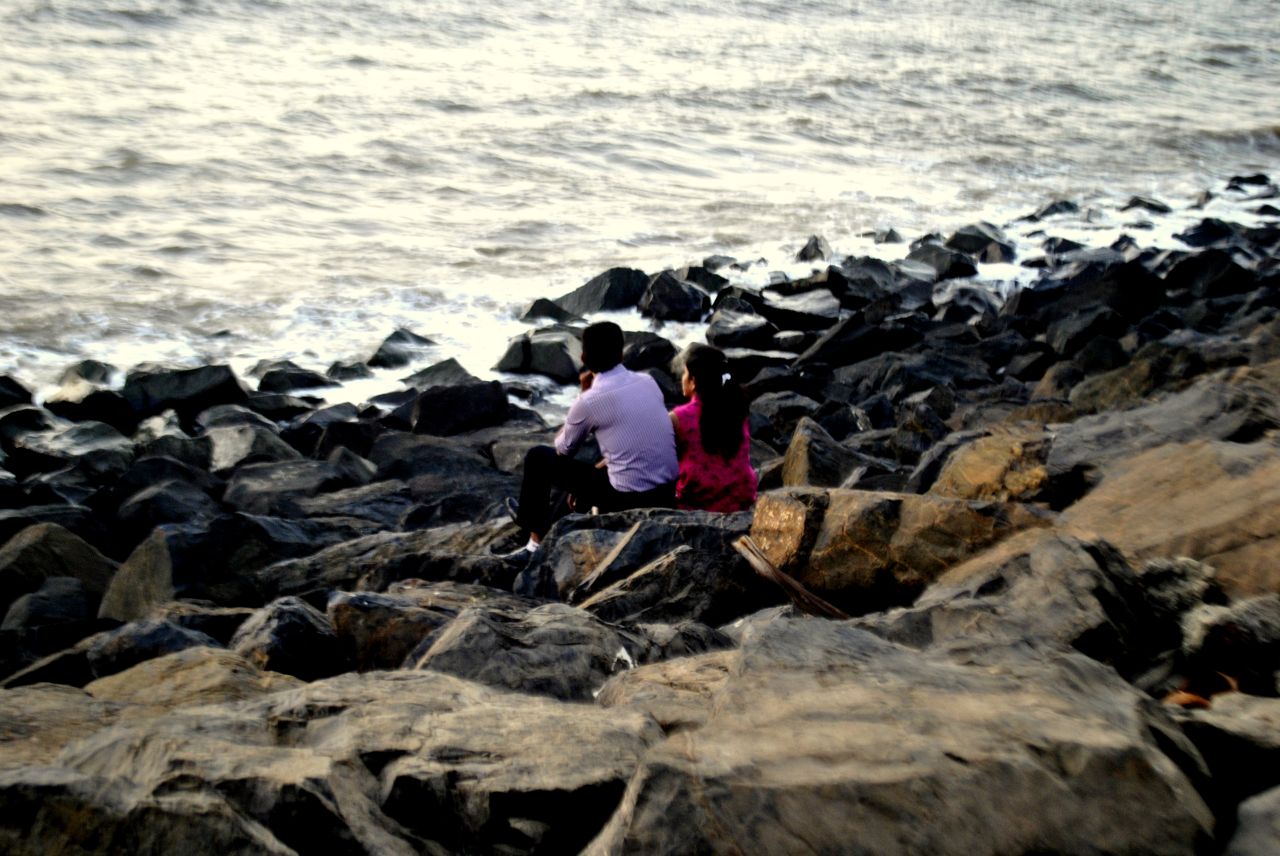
724 404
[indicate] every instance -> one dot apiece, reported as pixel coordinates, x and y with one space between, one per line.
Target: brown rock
866 550
1211 500
1005 465
195 676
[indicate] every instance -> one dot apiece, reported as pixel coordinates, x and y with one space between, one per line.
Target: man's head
602 346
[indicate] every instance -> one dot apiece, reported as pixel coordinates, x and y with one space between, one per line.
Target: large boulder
1006 464
815 459
554 650
192 676
1258 826
447 477
983 241
399 349
237 445
867 550
1239 737
616 288
95 449
669 299
1240 641
555 352
152 390
46 551
684 585
999 752
1212 500
389 762
270 488
214 562
291 637
12 393
459 552
456 409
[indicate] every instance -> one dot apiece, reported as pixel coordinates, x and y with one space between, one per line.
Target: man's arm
575 429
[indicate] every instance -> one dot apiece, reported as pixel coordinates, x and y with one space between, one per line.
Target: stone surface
554 650
555 353
47 550
193 676
399 349
986 755
1258 827
455 409
815 459
1005 465
1209 499
291 637
868 550
616 288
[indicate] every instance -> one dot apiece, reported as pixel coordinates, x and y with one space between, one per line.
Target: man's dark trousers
589 484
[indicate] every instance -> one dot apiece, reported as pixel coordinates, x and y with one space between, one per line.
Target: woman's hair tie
725 378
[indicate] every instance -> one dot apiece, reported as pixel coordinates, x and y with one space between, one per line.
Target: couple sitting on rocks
695 457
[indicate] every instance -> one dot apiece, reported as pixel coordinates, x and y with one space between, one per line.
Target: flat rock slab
1210 500
825 739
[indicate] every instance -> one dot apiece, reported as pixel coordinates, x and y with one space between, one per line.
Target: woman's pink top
708 481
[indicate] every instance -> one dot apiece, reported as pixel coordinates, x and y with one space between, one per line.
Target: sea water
191 181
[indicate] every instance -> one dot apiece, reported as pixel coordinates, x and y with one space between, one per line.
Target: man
626 412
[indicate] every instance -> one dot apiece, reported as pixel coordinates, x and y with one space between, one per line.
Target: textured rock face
1006 465
983 755
395 763
865 550
290 636
553 650
47 550
1211 500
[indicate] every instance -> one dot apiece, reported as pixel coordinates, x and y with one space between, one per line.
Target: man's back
627 412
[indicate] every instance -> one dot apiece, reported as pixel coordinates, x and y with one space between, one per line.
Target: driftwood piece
804 600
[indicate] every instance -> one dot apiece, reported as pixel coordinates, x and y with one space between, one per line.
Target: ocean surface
231 180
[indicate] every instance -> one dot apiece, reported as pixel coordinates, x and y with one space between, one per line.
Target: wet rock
984 242
946 263
45 551
446 373
382 503
373 562
1053 209
702 276
214 562
616 288
53 617
219 622
447 410
449 479
543 309
668 298
1146 203
1209 232
552 650
684 585
343 372
83 400
126 646
228 415
239 445
1126 288
93 448
399 349
809 311
816 249
853 339
815 459
775 415
1072 333
152 390
1210 274
289 379
555 353
797 733
643 351
271 488
868 550
291 637
170 501
729 328
12 393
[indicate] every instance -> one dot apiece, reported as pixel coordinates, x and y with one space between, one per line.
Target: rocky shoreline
237 619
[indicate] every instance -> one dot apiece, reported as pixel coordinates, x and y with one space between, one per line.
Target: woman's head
724 405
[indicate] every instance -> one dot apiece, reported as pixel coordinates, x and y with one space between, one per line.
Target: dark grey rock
616 288
399 349
291 637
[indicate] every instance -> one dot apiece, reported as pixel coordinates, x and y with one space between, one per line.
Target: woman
712 438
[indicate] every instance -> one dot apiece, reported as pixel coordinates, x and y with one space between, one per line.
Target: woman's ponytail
724 404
